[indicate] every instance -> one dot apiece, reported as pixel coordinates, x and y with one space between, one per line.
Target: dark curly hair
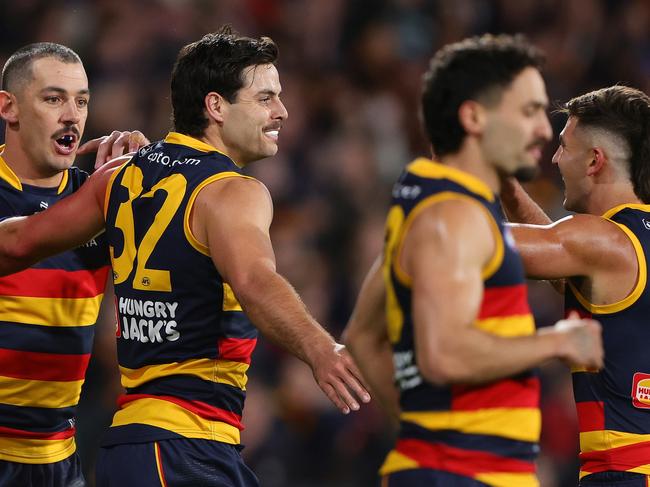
213 63
478 68
624 112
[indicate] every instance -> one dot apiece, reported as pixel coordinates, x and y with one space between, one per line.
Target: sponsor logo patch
641 390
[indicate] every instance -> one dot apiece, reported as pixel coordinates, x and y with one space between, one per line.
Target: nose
545 129
71 113
556 155
280 111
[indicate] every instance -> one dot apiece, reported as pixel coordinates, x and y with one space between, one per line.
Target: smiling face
252 123
517 127
50 115
573 157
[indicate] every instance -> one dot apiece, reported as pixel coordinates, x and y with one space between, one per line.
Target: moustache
60 133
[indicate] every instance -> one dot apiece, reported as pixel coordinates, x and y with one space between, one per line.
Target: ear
472 116
8 107
215 106
598 161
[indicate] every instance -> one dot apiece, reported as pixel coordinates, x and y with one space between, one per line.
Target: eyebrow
268 92
60 90
538 104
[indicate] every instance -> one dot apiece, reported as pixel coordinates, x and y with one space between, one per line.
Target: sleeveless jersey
47 318
613 404
184 344
488 432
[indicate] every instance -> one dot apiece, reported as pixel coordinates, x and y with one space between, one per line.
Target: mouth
66 143
272 133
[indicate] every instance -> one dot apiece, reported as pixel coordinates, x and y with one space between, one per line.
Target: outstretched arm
367 339
69 223
445 252
233 217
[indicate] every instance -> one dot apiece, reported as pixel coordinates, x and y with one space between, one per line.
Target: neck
212 137
609 195
25 169
470 160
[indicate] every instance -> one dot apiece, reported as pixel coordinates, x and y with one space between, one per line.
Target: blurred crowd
350 71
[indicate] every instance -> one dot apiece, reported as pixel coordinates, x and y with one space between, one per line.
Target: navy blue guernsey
613 403
488 432
47 318
184 344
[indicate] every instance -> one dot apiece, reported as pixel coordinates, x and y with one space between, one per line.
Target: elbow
441 370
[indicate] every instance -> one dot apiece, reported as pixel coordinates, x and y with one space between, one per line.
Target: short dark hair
214 63
18 67
624 112
478 68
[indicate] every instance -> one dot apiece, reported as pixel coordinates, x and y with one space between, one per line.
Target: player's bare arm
582 245
69 223
447 293
367 339
232 217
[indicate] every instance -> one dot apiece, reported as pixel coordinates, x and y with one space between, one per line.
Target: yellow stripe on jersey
396 461
63 183
230 302
36 451
109 186
172 417
510 326
39 393
186 140
505 479
630 299
426 168
220 371
7 174
497 256
50 311
187 227
522 424
608 439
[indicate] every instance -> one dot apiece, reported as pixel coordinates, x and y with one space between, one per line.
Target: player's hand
115 145
339 378
581 342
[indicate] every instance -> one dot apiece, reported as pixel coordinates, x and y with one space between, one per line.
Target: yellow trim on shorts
159 467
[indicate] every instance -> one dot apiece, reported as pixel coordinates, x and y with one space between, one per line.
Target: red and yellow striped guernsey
184 345
47 318
488 432
613 404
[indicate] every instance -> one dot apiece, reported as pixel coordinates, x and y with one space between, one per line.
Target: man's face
573 157
52 112
517 127
252 123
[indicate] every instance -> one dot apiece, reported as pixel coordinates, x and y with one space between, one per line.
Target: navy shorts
615 479
428 478
173 463
66 473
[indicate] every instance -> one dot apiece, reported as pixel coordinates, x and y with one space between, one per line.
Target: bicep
578 245
236 214
446 252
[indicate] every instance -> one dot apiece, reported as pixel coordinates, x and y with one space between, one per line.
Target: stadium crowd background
350 71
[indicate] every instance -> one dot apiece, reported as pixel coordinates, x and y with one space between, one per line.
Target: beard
526 174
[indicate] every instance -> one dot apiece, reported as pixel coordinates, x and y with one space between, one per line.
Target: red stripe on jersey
459 460
236 349
197 407
507 393
504 301
620 459
43 366
591 415
55 283
16 433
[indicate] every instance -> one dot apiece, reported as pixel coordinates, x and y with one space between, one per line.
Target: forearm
474 356
275 308
375 360
519 206
14 252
